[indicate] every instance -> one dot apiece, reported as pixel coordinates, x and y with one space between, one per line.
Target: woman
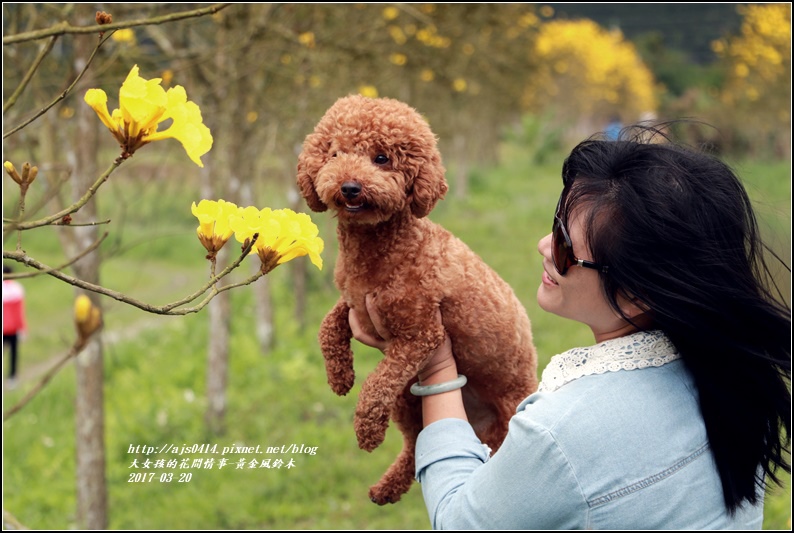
14 323
673 419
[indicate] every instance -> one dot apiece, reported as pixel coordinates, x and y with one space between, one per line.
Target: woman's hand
442 358
440 368
381 341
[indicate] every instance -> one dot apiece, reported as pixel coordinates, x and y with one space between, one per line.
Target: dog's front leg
380 391
335 335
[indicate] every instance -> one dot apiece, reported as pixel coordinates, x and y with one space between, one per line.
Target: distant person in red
14 324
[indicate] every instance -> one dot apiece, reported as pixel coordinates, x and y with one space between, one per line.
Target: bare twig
29 75
73 352
51 192
65 28
46 221
168 309
63 94
94 246
71 224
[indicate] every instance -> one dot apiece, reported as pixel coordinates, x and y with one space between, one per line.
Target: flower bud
29 173
87 318
12 171
103 18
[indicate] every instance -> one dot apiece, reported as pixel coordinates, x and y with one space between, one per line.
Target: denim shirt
608 445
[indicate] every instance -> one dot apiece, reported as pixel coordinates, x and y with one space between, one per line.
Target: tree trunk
263 303
298 269
89 405
218 317
461 166
217 360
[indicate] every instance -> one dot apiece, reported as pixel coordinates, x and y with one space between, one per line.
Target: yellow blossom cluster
143 105
281 234
429 36
581 63
759 59
307 39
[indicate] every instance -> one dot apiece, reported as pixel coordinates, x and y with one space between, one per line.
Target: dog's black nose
351 189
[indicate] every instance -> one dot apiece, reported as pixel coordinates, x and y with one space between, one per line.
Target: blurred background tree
588 76
757 86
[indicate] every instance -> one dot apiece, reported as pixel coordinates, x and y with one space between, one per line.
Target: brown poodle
374 162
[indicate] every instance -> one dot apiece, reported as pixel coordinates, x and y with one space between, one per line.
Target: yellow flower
298 237
307 39
187 127
283 235
214 229
126 35
398 59
370 91
390 13
143 105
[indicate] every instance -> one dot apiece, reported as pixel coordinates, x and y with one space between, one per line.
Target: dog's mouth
351 206
354 208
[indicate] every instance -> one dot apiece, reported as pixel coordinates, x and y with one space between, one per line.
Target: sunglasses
562 250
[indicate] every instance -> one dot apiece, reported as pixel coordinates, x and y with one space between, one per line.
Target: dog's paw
384 495
341 385
370 436
340 376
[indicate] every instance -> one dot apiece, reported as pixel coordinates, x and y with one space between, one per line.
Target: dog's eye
380 159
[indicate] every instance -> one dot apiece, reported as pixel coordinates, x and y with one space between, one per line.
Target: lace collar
638 350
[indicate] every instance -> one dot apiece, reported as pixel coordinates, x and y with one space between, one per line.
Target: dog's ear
429 186
309 163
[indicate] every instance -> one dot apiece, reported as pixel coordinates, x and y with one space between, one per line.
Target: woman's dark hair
679 234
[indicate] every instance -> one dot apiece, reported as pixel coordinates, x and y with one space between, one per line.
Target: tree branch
167 309
46 221
65 28
29 75
22 275
73 352
63 94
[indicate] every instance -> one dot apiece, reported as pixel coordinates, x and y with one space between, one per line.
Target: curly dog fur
375 163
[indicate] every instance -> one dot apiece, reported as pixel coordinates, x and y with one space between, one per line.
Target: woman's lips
548 280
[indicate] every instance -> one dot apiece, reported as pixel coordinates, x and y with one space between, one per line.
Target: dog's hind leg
334 337
397 480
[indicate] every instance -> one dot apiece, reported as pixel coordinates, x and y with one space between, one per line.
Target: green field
155 366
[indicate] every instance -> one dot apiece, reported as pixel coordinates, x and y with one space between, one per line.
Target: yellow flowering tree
143 108
277 236
586 72
758 76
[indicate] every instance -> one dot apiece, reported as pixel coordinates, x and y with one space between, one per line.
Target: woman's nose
544 246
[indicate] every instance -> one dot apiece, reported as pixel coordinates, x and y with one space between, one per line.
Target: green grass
155 376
